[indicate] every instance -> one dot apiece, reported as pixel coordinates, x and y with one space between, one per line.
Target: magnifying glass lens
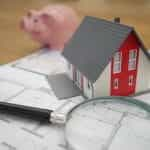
108 124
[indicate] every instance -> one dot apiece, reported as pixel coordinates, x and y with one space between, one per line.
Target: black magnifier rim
128 100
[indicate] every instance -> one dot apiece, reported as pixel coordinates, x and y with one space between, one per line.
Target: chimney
117 19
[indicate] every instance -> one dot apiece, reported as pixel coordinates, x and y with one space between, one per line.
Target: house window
117 62
131 80
132 59
78 78
116 83
75 75
88 84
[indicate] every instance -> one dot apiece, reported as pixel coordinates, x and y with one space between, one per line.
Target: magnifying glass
105 123
109 123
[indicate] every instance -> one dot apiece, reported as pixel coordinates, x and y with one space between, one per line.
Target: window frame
132 60
117 62
78 78
116 83
88 84
131 80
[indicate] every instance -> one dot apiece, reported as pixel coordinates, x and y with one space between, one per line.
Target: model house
107 58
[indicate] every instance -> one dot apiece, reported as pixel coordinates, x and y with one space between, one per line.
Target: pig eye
29 14
35 20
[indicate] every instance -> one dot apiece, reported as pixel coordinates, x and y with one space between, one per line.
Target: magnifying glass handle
33 113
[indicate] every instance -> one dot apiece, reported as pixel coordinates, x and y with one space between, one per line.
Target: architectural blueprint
25 82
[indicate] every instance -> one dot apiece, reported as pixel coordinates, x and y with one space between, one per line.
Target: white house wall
86 91
102 85
143 73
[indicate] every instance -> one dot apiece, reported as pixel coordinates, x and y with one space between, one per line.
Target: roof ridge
108 21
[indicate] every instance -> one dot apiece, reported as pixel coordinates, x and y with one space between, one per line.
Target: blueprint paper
29 88
37 98
24 82
129 135
14 138
9 90
144 97
49 136
108 128
22 77
44 62
45 135
71 103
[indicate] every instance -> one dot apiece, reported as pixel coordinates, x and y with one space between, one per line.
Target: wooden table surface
15 44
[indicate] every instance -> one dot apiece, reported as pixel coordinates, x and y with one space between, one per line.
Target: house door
123 72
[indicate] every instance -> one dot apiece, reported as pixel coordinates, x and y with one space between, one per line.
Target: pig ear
47 18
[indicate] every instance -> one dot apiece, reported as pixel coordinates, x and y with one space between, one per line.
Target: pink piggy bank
52 26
